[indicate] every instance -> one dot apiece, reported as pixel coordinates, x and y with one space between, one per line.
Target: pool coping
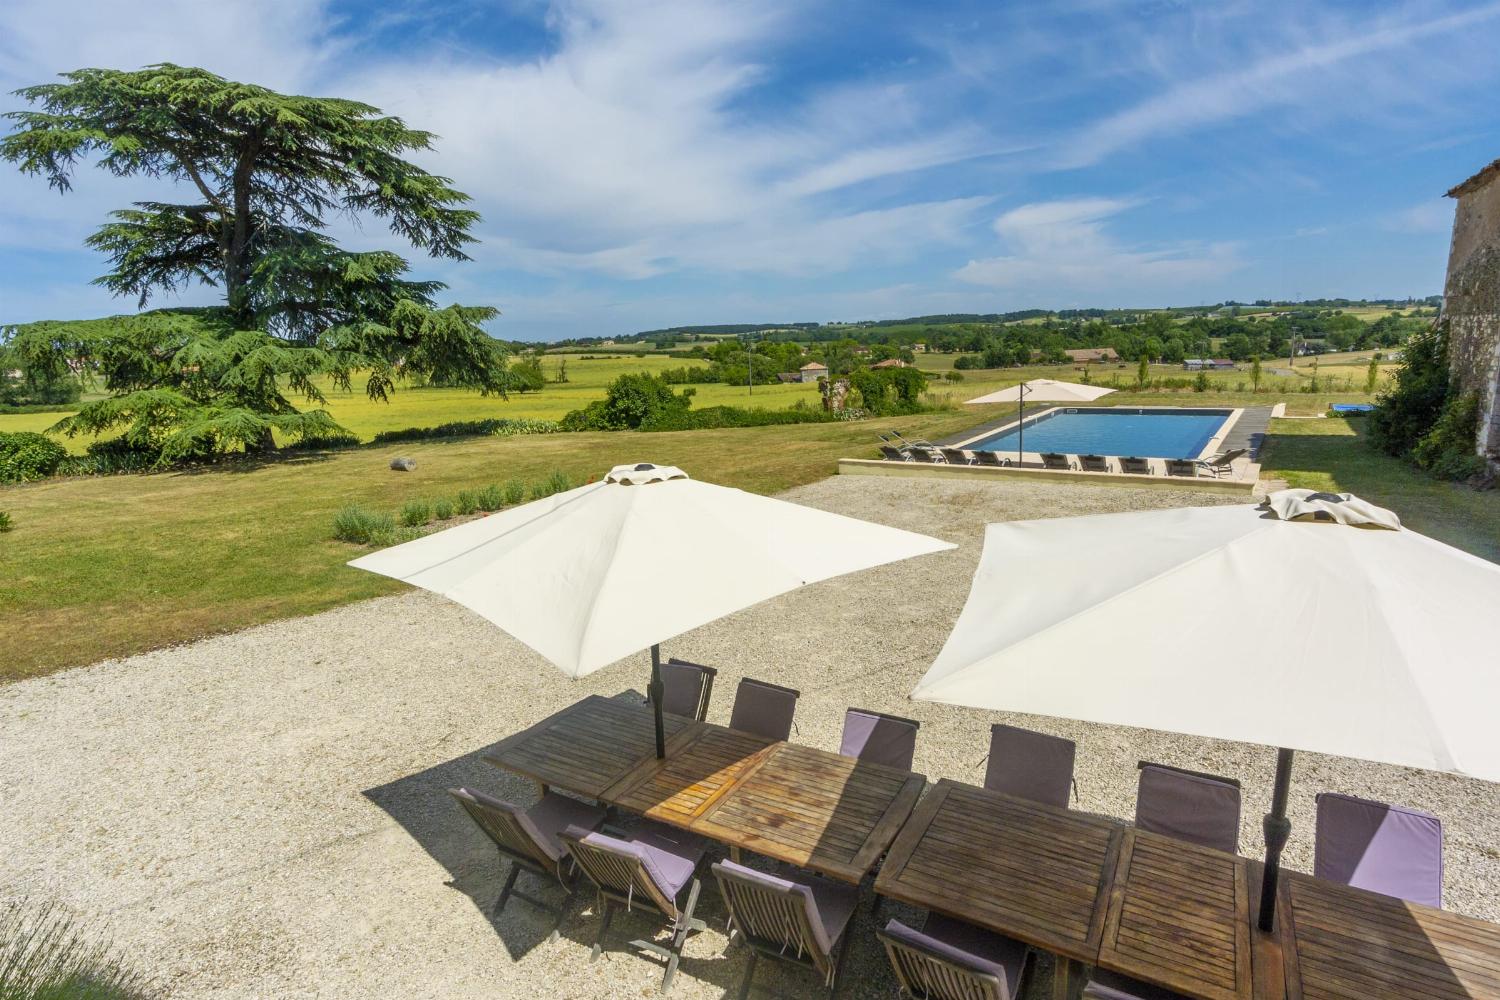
992 429
981 473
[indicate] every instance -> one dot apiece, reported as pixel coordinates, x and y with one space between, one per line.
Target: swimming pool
1145 433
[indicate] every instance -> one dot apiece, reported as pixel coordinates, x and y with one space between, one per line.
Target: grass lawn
110 566
1331 455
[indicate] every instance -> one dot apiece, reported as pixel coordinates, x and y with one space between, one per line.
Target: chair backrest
764 709
1228 457
879 738
618 868
1199 808
1032 765
1054 460
1138 466
775 913
1181 467
1093 463
987 457
956 456
509 827
926 968
892 453
686 688
1383 848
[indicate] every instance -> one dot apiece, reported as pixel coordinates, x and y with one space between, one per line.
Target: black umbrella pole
1278 829
654 692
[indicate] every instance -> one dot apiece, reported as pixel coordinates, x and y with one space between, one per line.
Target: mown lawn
1332 455
110 566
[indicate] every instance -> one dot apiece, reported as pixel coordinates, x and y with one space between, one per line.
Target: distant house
789 376
812 371
889 363
919 348
1208 364
861 352
1089 355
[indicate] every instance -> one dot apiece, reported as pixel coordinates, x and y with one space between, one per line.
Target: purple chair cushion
1191 807
669 856
1383 848
763 710
1031 765
829 904
1109 986
969 946
878 739
682 688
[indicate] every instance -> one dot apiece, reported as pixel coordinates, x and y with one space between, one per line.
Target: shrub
1414 397
43 956
355 524
491 498
1447 451
559 481
632 401
468 428
5 522
26 455
514 491
415 513
1200 384
442 508
953 376
467 502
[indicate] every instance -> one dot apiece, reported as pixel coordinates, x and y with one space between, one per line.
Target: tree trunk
238 262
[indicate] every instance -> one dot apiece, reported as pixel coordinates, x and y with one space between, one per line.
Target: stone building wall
1471 301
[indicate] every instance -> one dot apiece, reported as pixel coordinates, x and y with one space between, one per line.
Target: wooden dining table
818 810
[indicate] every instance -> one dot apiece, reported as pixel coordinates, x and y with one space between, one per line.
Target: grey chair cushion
669 856
682 685
879 739
1380 847
1192 807
553 814
968 946
829 904
1031 765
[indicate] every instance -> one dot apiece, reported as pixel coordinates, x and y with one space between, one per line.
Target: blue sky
643 164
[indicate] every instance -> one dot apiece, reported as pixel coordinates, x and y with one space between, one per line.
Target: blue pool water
1141 433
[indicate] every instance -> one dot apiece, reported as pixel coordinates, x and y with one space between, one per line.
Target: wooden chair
686 688
952 960
652 866
1032 765
530 839
879 738
1189 805
805 922
1380 847
764 709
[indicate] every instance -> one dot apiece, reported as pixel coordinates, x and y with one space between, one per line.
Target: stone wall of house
1471 304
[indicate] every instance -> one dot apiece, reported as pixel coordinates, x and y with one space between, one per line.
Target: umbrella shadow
420 803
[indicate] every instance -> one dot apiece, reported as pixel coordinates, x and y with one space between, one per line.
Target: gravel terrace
263 814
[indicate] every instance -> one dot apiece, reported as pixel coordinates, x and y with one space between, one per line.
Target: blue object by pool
1140 433
1352 407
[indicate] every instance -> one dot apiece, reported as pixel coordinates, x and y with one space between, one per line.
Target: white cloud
1064 247
1300 75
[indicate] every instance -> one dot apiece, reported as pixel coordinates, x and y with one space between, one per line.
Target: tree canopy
267 172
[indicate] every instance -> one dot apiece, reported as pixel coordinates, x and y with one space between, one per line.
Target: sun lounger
990 458
1093 463
1054 460
957 456
1182 467
1222 463
1135 466
893 454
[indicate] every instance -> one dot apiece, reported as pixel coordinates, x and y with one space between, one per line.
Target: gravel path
262 814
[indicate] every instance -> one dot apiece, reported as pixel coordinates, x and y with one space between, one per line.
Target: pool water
1139 433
